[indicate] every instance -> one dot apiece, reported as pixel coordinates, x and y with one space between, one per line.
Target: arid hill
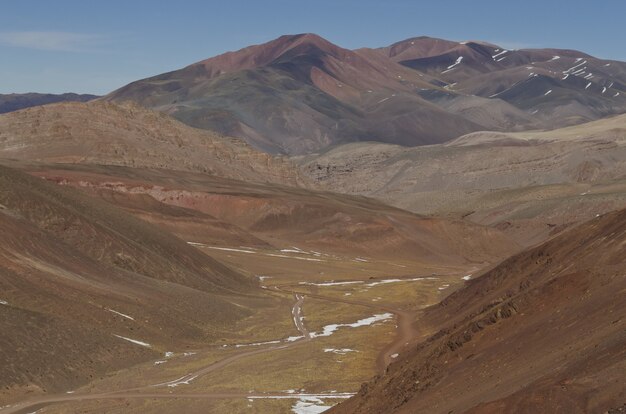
544 331
530 184
110 134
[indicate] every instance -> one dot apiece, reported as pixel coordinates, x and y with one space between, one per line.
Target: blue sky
96 46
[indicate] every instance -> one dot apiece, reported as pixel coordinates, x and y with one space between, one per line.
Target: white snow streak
134 341
342 351
184 380
121 314
499 54
452 66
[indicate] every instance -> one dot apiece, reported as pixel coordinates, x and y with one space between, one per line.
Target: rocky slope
544 331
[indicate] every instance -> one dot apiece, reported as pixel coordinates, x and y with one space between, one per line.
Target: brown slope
284 216
110 134
296 94
545 331
68 261
110 236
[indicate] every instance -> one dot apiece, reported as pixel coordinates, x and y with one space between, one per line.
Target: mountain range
301 93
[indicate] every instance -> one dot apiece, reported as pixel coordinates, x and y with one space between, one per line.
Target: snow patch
310 259
134 341
575 66
499 54
342 351
257 344
331 283
455 64
3 302
226 249
328 330
467 277
386 281
588 85
184 380
548 93
308 405
123 315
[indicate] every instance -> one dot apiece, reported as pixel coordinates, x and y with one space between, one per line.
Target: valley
431 226
349 329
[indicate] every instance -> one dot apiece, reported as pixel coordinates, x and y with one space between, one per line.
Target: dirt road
405 333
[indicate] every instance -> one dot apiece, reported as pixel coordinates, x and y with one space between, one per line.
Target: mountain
562 87
544 331
300 93
110 134
16 101
78 275
529 184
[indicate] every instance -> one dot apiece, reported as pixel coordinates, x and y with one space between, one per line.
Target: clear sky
95 46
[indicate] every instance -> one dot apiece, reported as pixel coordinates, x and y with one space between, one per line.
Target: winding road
405 333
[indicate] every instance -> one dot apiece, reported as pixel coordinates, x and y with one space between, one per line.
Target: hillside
78 275
544 331
110 134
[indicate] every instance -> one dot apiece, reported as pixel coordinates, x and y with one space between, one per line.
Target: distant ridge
16 101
